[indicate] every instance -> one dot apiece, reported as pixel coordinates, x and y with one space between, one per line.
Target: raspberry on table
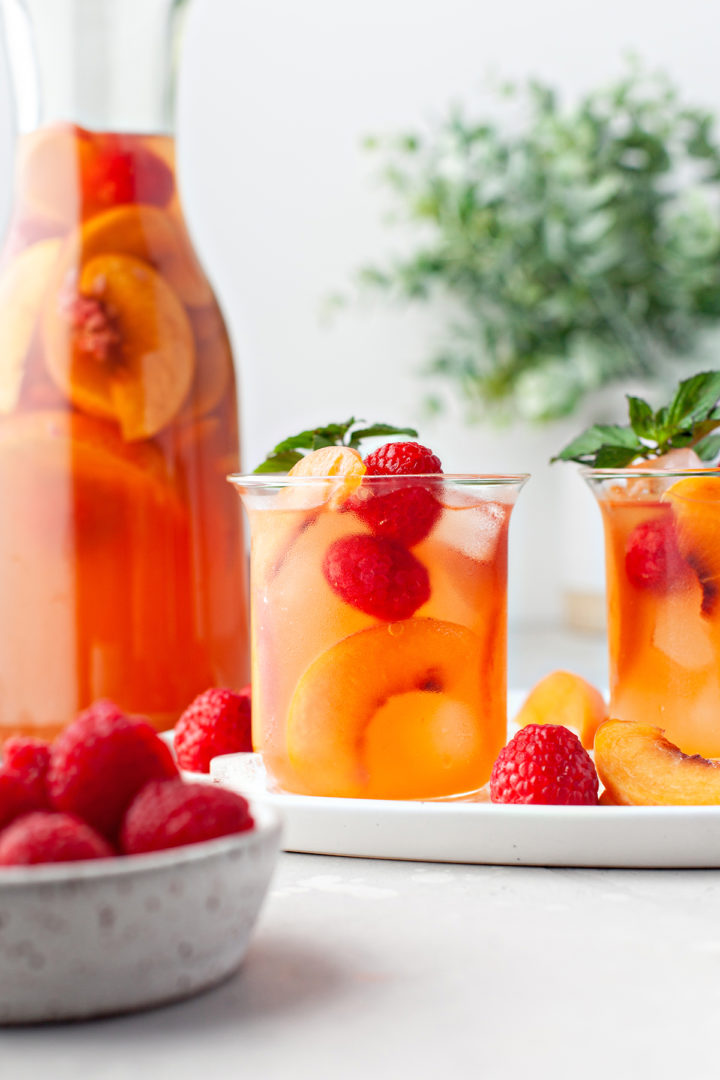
377 576
45 837
652 555
544 764
402 459
30 758
217 722
18 796
100 762
171 814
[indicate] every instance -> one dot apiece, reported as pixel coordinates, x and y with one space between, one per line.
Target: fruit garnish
170 813
689 420
653 559
30 758
351 433
408 513
566 699
18 796
45 837
377 576
217 722
120 345
101 761
544 764
23 284
640 767
696 507
414 728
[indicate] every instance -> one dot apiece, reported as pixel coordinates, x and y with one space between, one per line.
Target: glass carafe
121 560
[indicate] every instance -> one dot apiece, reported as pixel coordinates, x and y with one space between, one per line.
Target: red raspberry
217 722
31 758
547 764
402 459
377 576
50 838
406 514
170 814
17 796
100 762
652 555
116 172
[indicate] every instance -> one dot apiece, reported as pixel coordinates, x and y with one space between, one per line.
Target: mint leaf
694 398
688 421
291 450
642 418
708 448
379 429
601 437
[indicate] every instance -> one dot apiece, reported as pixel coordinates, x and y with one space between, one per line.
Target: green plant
578 244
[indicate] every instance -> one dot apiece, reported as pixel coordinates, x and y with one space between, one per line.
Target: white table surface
364 969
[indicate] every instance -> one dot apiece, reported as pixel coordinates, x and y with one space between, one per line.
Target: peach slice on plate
23 284
120 345
565 698
385 710
696 505
148 233
640 767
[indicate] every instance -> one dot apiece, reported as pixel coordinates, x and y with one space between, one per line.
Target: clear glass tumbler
662 546
378 631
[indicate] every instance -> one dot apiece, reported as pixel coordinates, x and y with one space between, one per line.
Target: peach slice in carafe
120 344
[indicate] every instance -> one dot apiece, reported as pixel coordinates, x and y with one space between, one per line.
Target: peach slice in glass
23 284
408 692
562 697
121 347
640 767
148 233
696 505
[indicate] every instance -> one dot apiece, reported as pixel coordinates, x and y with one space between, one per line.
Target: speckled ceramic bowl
113 935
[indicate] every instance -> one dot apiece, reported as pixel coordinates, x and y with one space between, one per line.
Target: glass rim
589 473
280 480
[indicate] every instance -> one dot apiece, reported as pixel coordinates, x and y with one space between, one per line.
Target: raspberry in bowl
378 593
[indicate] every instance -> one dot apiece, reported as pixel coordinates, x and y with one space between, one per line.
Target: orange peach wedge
696 505
386 710
640 767
565 698
120 345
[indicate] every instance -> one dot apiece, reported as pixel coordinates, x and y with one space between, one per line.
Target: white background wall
275 98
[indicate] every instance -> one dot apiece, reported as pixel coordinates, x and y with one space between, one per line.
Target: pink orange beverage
379 630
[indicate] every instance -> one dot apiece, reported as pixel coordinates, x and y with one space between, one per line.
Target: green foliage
689 420
579 244
288 452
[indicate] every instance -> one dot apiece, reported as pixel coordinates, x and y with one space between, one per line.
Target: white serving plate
609 836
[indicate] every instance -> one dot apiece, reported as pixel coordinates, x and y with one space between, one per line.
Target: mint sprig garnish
691 419
288 452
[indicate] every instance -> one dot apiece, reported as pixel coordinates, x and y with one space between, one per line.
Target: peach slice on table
394 711
120 344
640 767
563 697
147 233
696 505
23 284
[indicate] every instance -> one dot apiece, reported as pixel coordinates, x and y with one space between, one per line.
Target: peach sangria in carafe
121 570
